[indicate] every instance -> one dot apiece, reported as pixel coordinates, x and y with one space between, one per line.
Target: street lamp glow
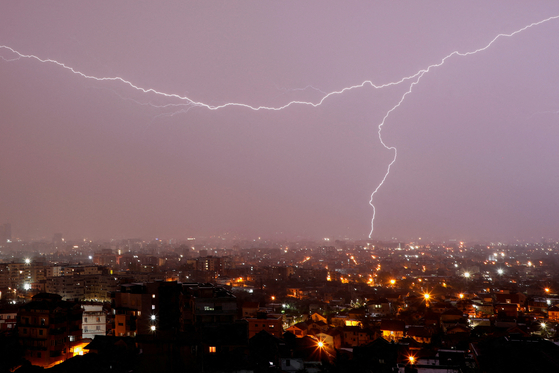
152 328
27 261
467 274
411 358
426 296
320 344
500 271
153 317
392 282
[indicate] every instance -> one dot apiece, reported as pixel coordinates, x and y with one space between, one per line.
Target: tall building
209 264
206 304
49 329
57 239
146 308
5 233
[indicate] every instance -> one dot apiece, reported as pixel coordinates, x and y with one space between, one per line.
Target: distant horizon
227 237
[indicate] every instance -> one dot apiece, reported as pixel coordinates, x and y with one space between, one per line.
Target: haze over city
476 136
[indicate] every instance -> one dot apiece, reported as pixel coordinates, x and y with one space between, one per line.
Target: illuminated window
213 349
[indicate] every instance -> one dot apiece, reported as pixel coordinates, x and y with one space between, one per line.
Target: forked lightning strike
415 78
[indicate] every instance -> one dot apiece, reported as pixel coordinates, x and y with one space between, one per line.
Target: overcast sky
477 138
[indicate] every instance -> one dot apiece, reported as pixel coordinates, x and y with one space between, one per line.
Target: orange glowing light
320 344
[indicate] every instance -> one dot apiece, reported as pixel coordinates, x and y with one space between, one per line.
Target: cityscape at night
279 187
218 304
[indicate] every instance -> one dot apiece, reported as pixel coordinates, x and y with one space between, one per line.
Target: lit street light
426 296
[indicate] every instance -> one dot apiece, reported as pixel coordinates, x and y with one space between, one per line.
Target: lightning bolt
414 79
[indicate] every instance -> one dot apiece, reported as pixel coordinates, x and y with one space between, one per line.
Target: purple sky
477 138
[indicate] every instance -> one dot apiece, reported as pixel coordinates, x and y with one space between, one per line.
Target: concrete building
146 308
94 320
271 323
206 304
49 329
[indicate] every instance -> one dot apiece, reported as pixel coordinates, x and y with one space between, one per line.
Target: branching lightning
190 103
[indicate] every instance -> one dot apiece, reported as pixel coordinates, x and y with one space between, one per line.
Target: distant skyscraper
6 233
57 239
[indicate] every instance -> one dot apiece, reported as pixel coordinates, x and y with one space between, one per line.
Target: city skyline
475 136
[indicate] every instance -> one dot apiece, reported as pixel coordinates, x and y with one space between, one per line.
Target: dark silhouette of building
49 329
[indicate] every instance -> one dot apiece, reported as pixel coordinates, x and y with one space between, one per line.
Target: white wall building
94 321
